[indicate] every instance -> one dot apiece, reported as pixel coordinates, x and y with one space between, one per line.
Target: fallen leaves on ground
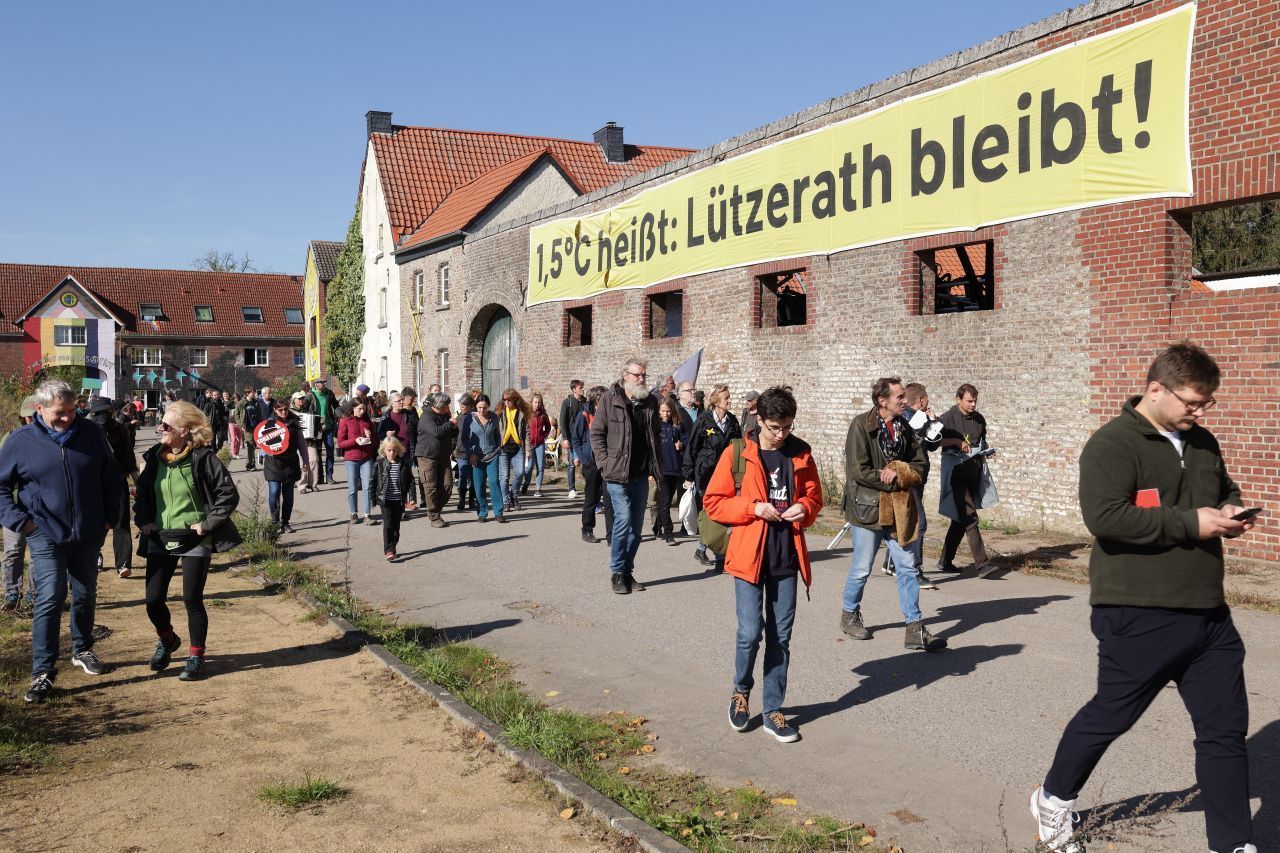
567 814
625 771
783 801
551 694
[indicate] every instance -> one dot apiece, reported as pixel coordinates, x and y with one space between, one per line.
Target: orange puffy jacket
737 511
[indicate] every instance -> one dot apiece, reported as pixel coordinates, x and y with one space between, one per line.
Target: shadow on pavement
1264 783
971 614
693 576
470 543
262 592
429 636
913 670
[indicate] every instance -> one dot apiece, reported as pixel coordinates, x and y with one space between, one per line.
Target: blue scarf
60 437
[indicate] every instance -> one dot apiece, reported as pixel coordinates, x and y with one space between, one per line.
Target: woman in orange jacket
765 488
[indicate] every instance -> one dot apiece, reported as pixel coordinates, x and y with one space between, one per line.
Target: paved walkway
926 747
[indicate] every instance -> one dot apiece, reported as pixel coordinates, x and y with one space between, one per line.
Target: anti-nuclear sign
272 437
1094 122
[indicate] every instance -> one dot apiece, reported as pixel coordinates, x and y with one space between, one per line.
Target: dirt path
154 763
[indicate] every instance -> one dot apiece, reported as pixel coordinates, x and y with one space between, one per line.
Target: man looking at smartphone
1155 494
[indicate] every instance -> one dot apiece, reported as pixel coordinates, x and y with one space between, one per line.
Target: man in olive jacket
624 442
1155 494
876 440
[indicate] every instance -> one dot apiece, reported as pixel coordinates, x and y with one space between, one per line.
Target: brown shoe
439 522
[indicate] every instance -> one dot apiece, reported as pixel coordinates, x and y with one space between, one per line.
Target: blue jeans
865 545
52 564
538 463
765 609
510 467
486 486
358 476
629 500
280 501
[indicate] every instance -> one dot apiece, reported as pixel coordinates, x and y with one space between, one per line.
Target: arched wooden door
498 358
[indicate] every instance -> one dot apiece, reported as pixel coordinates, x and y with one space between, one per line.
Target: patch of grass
308 792
221 602
610 752
1254 601
24 735
1010 530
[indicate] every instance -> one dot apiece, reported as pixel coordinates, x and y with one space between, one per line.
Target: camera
923 426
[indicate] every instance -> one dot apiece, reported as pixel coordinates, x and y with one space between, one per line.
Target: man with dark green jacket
1155 494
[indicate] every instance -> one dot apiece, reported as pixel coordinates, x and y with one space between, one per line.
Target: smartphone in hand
1247 515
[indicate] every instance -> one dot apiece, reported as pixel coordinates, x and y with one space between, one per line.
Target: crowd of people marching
1154 492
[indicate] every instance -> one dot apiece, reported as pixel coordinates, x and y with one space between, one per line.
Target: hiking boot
589 537
439 522
164 653
948 567
851 625
635 585
701 557
777 725
1055 821
88 661
739 716
40 689
919 638
98 633
191 671
502 519
10 603
619 583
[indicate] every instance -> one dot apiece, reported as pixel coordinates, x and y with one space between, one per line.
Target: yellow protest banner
1094 122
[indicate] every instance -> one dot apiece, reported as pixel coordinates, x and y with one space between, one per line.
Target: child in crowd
392 489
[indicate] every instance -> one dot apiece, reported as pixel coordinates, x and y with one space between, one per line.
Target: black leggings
195 571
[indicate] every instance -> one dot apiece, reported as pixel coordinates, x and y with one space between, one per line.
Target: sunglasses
163 427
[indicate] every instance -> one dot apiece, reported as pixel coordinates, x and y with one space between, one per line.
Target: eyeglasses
1202 405
779 430
163 427
640 376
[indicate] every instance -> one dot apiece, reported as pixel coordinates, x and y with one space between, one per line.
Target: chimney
609 138
378 122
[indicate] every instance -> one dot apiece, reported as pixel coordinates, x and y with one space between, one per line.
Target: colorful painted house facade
322 266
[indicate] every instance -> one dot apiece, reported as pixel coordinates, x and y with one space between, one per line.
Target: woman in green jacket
183 512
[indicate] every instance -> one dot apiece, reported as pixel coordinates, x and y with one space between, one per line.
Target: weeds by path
23 736
610 752
310 791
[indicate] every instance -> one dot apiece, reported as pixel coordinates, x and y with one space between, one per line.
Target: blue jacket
71 492
580 439
481 440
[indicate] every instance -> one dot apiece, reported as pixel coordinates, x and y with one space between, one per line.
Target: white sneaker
573 493
1056 822
1248 848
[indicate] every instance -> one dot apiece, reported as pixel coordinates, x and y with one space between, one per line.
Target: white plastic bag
689 513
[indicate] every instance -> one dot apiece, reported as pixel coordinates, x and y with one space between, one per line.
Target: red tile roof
177 291
468 201
420 166
949 268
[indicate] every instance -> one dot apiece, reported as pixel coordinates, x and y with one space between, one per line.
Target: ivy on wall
344 308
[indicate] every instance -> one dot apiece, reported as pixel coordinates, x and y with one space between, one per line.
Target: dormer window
251 314
150 311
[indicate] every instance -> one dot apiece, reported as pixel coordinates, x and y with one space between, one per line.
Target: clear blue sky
143 134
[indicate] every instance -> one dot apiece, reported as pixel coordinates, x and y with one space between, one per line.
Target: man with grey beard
624 442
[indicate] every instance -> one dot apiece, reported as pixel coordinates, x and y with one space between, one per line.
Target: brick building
148 331
1054 317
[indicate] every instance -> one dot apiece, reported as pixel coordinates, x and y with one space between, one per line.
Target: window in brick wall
443 297
1238 240
299 357
958 278
199 357
419 285
145 356
577 326
382 307
419 376
784 299
666 314
256 357
442 375
70 336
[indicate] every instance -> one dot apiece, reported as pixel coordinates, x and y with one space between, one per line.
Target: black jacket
382 475
121 441
437 436
218 493
705 444
569 411
287 467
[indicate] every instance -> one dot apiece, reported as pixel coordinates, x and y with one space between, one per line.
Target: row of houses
1053 312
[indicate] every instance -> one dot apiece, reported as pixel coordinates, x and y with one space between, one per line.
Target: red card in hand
1147 499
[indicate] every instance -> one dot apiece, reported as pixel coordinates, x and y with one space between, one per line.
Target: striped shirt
393 481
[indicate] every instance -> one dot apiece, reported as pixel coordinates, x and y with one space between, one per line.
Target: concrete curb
588 799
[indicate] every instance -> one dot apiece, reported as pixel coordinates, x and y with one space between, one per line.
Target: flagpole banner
1098 121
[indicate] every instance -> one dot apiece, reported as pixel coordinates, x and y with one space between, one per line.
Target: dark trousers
1140 650
195 571
592 491
466 490
121 533
965 480
392 512
437 480
670 487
